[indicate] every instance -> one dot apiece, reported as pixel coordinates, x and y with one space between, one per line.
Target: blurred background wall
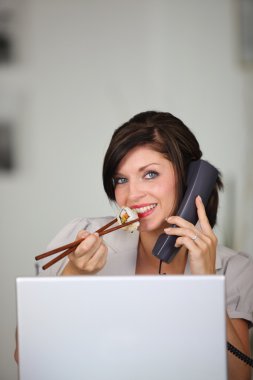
71 71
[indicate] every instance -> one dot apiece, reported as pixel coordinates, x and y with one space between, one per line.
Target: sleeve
239 287
65 236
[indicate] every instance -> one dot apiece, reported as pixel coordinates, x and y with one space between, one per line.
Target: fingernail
167 230
92 239
168 218
199 197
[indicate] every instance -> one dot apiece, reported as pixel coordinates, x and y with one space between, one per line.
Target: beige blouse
122 251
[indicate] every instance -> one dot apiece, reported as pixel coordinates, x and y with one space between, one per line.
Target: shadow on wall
229 212
6 147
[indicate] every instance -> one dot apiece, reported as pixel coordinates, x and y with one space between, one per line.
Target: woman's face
145 181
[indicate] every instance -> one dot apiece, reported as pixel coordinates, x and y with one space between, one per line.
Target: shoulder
231 262
238 270
236 266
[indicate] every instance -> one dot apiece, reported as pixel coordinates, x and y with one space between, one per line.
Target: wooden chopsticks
70 247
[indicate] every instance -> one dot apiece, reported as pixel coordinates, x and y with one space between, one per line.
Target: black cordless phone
201 179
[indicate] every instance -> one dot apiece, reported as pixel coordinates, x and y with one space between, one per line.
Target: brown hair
167 135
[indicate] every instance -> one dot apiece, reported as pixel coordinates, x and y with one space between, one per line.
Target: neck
147 263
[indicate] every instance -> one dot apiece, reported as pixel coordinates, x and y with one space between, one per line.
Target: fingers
189 229
82 234
91 254
97 261
203 219
200 247
88 246
200 243
192 234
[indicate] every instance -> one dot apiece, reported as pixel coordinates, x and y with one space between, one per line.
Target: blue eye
119 180
151 174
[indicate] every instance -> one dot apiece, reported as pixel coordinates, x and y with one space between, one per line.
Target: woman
145 169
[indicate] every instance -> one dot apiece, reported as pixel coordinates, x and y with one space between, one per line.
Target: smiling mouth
144 210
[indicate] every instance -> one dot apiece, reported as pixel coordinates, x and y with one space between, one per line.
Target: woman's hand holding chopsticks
94 249
89 257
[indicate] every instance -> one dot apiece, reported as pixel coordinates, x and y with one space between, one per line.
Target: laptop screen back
122 328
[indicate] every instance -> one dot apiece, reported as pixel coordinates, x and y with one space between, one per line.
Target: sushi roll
126 214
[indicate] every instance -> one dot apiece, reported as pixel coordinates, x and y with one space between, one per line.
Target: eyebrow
142 168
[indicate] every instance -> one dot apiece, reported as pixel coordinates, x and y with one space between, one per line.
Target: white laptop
122 328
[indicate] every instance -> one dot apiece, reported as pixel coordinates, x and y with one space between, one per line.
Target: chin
152 226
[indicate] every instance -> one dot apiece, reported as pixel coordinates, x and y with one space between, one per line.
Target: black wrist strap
240 355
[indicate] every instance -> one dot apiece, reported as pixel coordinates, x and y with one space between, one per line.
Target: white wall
84 68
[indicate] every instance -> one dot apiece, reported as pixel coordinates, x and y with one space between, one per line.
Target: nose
136 191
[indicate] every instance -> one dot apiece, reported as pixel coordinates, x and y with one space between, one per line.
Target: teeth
141 210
